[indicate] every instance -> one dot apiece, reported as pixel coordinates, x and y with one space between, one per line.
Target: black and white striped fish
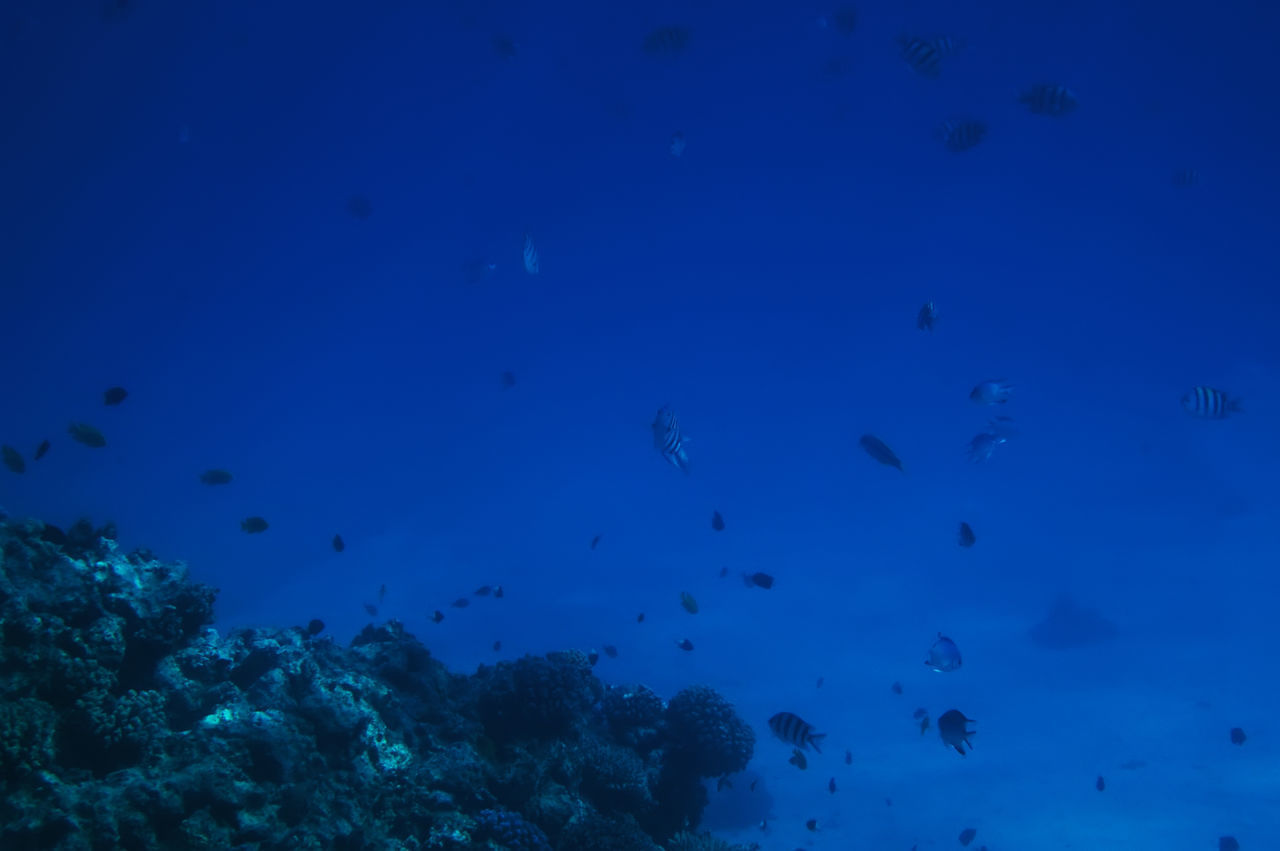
668 440
925 55
530 255
961 134
1209 403
794 730
1046 99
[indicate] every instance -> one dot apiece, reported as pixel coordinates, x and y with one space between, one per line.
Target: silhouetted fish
927 316
967 835
877 449
13 459
794 730
965 536
86 434
760 580
41 450
114 395
953 727
215 477
717 522
338 544
690 605
595 541
253 525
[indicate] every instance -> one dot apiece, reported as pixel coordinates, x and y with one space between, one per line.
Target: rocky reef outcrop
127 722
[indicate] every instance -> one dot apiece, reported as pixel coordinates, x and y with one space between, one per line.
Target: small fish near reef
86 434
215 477
254 525
1209 403
965 536
944 655
114 395
953 727
668 439
13 460
927 316
687 602
794 730
1047 99
880 451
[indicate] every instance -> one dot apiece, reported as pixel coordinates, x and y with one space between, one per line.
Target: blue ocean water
294 233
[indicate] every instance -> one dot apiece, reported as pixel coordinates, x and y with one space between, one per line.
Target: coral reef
127 722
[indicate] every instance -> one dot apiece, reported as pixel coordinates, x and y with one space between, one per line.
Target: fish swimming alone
1047 99
965 536
982 445
254 525
961 134
944 655
690 605
668 439
758 579
794 730
925 55
877 449
41 450
530 254
927 316
991 392
13 460
114 395
954 730
86 434
1210 403
215 477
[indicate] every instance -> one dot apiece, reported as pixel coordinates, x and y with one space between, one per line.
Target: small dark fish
595 541
953 727
371 610
41 450
86 434
215 477
1046 99
689 604
253 525
610 651
461 603
359 207
961 134
831 785
983 445
967 835
848 757
752 788
845 20
498 593
382 593
13 459
717 522
666 41
798 759
944 655
503 47
927 316
896 688
685 644
821 680
338 544
1101 784
759 580
1228 843
812 824
1210 403
592 658
724 571
920 712
437 616
497 646
723 783
965 536
114 396
640 618
1237 736
995 391
315 626
508 380
483 591
794 730
1184 177
877 449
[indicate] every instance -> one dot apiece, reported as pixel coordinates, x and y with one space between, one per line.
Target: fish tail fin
815 739
1234 406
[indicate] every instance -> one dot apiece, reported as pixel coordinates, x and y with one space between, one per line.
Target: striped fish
1045 99
1209 403
961 134
668 440
925 55
794 730
530 255
1186 177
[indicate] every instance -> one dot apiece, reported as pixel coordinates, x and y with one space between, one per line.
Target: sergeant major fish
794 730
925 55
1210 403
668 440
1046 99
961 134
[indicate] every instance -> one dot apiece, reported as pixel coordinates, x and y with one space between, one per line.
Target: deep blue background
175 179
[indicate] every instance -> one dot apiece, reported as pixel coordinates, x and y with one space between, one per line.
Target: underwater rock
1069 625
127 722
